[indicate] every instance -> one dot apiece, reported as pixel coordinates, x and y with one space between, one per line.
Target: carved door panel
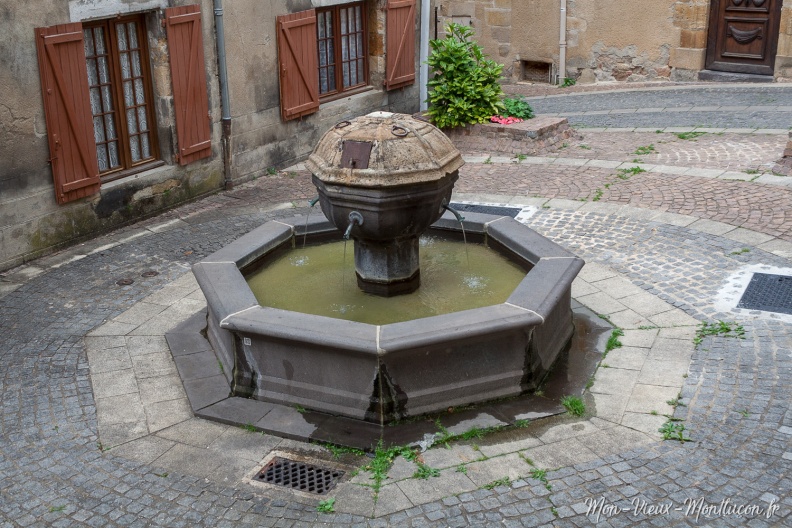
743 35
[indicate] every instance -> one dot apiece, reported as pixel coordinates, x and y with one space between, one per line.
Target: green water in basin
319 280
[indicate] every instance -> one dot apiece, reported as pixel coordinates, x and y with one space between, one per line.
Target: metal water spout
454 212
355 218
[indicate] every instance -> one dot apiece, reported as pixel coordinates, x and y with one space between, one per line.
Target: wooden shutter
67 109
299 64
188 75
400 44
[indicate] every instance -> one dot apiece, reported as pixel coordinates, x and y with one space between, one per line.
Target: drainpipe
423 77
224 100
563 44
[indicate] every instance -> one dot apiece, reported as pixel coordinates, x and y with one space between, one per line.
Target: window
98 101
120 93
341 37
322 53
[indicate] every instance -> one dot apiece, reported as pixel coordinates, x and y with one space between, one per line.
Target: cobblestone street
669 213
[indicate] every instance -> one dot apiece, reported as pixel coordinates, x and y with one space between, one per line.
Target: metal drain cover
769 293
486 209
299 476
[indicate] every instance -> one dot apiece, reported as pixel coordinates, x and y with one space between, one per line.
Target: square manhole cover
769 293
299 476
487 209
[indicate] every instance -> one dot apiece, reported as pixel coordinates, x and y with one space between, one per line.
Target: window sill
348 93
131 171
153 174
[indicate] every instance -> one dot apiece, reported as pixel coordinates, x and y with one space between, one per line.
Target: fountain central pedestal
384 179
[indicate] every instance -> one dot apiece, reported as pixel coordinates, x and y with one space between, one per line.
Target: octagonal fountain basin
383 373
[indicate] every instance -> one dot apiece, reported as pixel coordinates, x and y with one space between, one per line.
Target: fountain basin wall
382 373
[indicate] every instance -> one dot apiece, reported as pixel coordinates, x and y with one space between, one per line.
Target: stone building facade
112 109
620 40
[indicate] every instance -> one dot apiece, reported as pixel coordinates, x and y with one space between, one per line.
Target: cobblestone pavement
678 237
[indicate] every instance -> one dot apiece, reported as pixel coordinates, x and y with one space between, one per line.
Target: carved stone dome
383 149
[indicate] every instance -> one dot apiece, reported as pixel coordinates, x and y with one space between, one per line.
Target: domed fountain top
383 149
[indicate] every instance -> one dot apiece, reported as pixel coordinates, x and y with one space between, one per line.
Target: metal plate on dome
355 154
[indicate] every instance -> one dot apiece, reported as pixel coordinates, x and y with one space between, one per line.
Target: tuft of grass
672 430
584 147
300 409
424 472
220 365
643 151
383 460
624 174
744 413
597 195
272 171
613 341
689 135
505 481
161 475
326 506
522 423
740 251
519 158
721 328
339 450
574 405
249 427
488 161
461 468
54 509
568 82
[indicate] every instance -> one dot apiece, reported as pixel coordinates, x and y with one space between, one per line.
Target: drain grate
486 209
299 476
769 293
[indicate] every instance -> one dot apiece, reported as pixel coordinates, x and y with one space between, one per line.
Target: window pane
99 38
320 25
358 18
134 147
140 95
131 121
346 75
104 71
144 146
110 126
345 48
142 122
129 99
360 71
126 71
136 63
344 22
107 100
96 101
93 77
89 45
331 73
122 37
323 81
132 29
99 135
113 148
101 157
360 45
322 53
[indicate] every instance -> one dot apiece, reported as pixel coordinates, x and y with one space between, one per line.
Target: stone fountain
383 180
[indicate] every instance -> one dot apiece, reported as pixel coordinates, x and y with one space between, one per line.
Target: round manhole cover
124 282
149 273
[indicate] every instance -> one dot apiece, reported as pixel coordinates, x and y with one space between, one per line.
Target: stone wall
607 40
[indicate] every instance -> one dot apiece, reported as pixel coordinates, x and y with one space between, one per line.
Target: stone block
194 432
687 58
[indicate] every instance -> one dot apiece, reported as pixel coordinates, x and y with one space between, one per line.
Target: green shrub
517 107
465 86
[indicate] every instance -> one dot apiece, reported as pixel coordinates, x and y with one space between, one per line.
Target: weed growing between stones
574 405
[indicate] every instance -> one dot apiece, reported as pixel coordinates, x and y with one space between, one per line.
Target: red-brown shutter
298 60
188 74
400 44
67 109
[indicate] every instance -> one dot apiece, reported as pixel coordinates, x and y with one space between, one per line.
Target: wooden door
743 35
